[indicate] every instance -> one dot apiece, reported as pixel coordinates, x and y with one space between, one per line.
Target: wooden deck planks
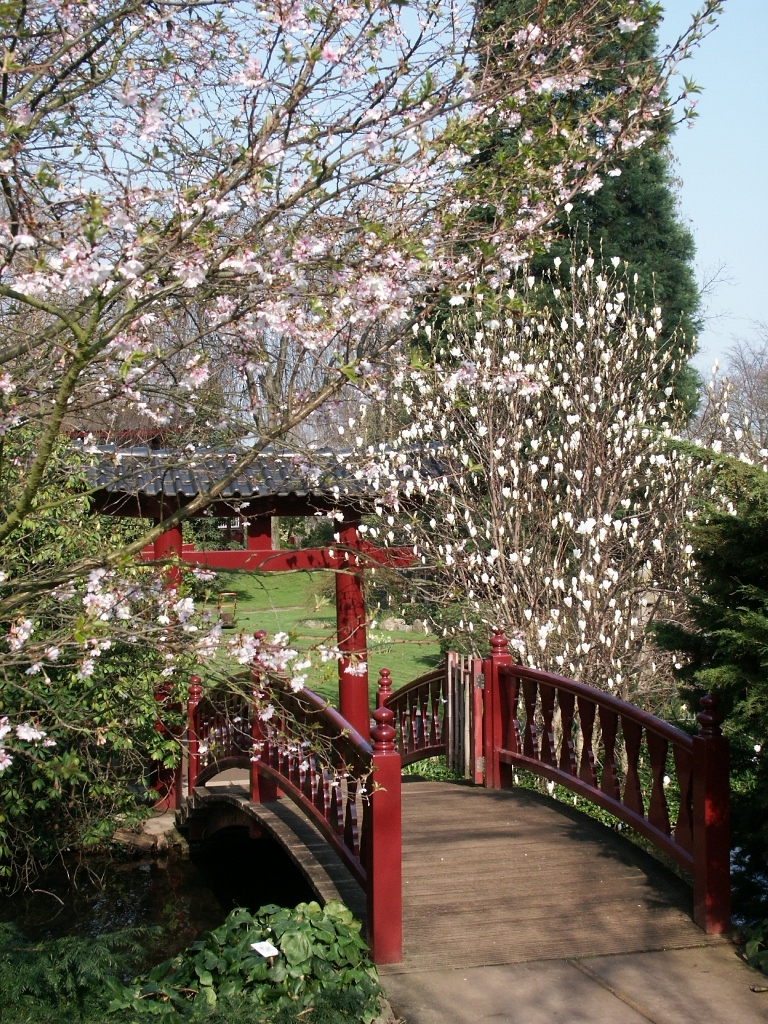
495 877
500 877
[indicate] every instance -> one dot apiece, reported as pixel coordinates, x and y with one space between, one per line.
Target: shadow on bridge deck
499 877
502 877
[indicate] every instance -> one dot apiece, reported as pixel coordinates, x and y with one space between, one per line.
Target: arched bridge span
483 872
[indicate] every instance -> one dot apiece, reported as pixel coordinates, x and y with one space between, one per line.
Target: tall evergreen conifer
633 215
724 646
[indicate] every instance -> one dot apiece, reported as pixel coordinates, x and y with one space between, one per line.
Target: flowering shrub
563 502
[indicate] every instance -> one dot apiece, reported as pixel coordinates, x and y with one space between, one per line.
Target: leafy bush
756 945
322 962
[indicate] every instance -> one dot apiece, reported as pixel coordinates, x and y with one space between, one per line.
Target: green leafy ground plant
64 979
755 950
320 953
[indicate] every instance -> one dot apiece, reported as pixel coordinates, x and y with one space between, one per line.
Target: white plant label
265 949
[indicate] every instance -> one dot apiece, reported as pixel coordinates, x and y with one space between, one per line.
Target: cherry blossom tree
186 177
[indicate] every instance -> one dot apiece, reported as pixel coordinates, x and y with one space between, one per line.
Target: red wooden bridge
480 872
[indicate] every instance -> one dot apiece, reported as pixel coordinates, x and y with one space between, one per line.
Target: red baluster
385 687
711 823
336 810
193 731
384 845
609 780
633 737
587 772
530 746
351 830
567 703
547 749
684 825
658 811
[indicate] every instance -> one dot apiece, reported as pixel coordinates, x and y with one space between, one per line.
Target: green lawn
287 601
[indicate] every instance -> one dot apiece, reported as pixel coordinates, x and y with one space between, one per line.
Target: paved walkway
707 985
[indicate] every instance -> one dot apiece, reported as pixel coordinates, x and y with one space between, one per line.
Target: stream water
181 896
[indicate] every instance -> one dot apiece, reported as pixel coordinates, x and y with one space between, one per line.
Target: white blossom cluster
25 732
562 500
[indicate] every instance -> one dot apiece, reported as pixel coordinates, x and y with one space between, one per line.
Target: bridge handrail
304 749
227 732
530 744
522 705
325 782
622 707
422 700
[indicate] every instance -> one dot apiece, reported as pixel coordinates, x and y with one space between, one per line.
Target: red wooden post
492 706
385 687
193 738
263 790
384 867
169 545
711 823
167 781
259 534
350 628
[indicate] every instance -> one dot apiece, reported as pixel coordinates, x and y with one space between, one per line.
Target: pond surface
180 895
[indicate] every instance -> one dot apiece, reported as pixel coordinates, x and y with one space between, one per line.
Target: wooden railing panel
325 767
625 735
421 715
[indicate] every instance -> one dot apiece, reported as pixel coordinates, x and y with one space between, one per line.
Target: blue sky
723 166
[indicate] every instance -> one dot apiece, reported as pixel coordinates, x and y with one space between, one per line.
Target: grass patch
432 769
297 603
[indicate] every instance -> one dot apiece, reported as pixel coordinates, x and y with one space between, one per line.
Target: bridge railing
609 751
420 710
296 745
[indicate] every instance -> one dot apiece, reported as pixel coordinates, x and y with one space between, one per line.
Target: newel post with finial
711 822
384 844
385 687
492 706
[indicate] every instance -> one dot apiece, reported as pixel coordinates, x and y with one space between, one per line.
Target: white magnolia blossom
562 498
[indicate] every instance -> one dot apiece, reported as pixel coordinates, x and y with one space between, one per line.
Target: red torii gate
347 558
155 484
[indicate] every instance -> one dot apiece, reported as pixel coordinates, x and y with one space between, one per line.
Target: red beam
266 561
396 558
285 561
